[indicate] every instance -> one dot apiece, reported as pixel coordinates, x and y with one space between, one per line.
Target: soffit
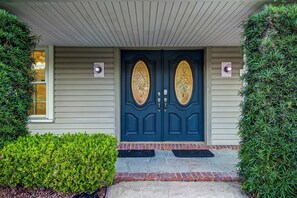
135 23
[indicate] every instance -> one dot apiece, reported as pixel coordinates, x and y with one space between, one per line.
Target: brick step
169 146
190 176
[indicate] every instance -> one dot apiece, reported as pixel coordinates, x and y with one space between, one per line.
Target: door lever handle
159 104
165 104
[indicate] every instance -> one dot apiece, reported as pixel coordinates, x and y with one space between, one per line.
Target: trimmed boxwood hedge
70 163
268 125
16 44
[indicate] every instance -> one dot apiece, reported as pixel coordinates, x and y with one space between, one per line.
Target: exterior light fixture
98 70
226 69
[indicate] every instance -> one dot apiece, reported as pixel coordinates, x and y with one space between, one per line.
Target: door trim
206 88
207 71
117 92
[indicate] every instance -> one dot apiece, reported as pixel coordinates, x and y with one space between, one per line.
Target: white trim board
49 79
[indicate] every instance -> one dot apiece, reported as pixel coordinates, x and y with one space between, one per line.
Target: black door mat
192 153
136 153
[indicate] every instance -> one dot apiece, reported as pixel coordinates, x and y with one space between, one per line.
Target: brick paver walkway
171 146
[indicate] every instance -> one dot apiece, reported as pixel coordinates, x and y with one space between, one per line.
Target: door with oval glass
162 95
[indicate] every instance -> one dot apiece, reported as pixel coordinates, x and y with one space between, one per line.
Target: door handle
165 104
165 100
159 102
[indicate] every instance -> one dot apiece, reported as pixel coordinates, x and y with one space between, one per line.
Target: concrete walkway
161 176
166 162
157 189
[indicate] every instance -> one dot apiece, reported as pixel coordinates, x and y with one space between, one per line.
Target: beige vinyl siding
225 100
82 103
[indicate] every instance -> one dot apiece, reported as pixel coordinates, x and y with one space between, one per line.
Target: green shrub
16 44
69 163
268 125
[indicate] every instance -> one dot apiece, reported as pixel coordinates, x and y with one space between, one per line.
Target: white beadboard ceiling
135 23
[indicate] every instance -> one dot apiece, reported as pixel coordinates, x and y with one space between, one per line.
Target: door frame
206 89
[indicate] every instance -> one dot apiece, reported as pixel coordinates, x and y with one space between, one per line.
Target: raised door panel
192 124
175 124
132 124
149 124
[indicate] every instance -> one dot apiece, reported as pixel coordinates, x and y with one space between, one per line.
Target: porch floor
166 167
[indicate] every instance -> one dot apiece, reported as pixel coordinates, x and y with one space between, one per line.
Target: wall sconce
98 70
226 69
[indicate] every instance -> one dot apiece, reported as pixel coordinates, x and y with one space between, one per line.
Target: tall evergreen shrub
268 125
16 44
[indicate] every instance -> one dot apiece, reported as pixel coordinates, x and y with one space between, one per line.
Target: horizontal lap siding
81 102
225 100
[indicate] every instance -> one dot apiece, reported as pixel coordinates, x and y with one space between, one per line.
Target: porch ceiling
130 23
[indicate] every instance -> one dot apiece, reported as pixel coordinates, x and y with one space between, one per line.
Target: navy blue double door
162 95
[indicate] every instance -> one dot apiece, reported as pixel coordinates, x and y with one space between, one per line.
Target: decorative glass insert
140 82
39 96
183 82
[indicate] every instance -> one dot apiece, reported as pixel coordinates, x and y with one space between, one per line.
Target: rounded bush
70 163
16 44
268 125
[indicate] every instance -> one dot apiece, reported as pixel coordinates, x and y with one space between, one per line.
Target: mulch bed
45 193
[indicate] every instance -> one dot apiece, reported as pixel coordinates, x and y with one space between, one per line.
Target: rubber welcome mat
192 153
136 153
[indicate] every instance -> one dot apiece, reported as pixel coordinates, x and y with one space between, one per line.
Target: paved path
156 189
166 162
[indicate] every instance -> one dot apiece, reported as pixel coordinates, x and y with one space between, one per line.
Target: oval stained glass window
183 82
140 82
